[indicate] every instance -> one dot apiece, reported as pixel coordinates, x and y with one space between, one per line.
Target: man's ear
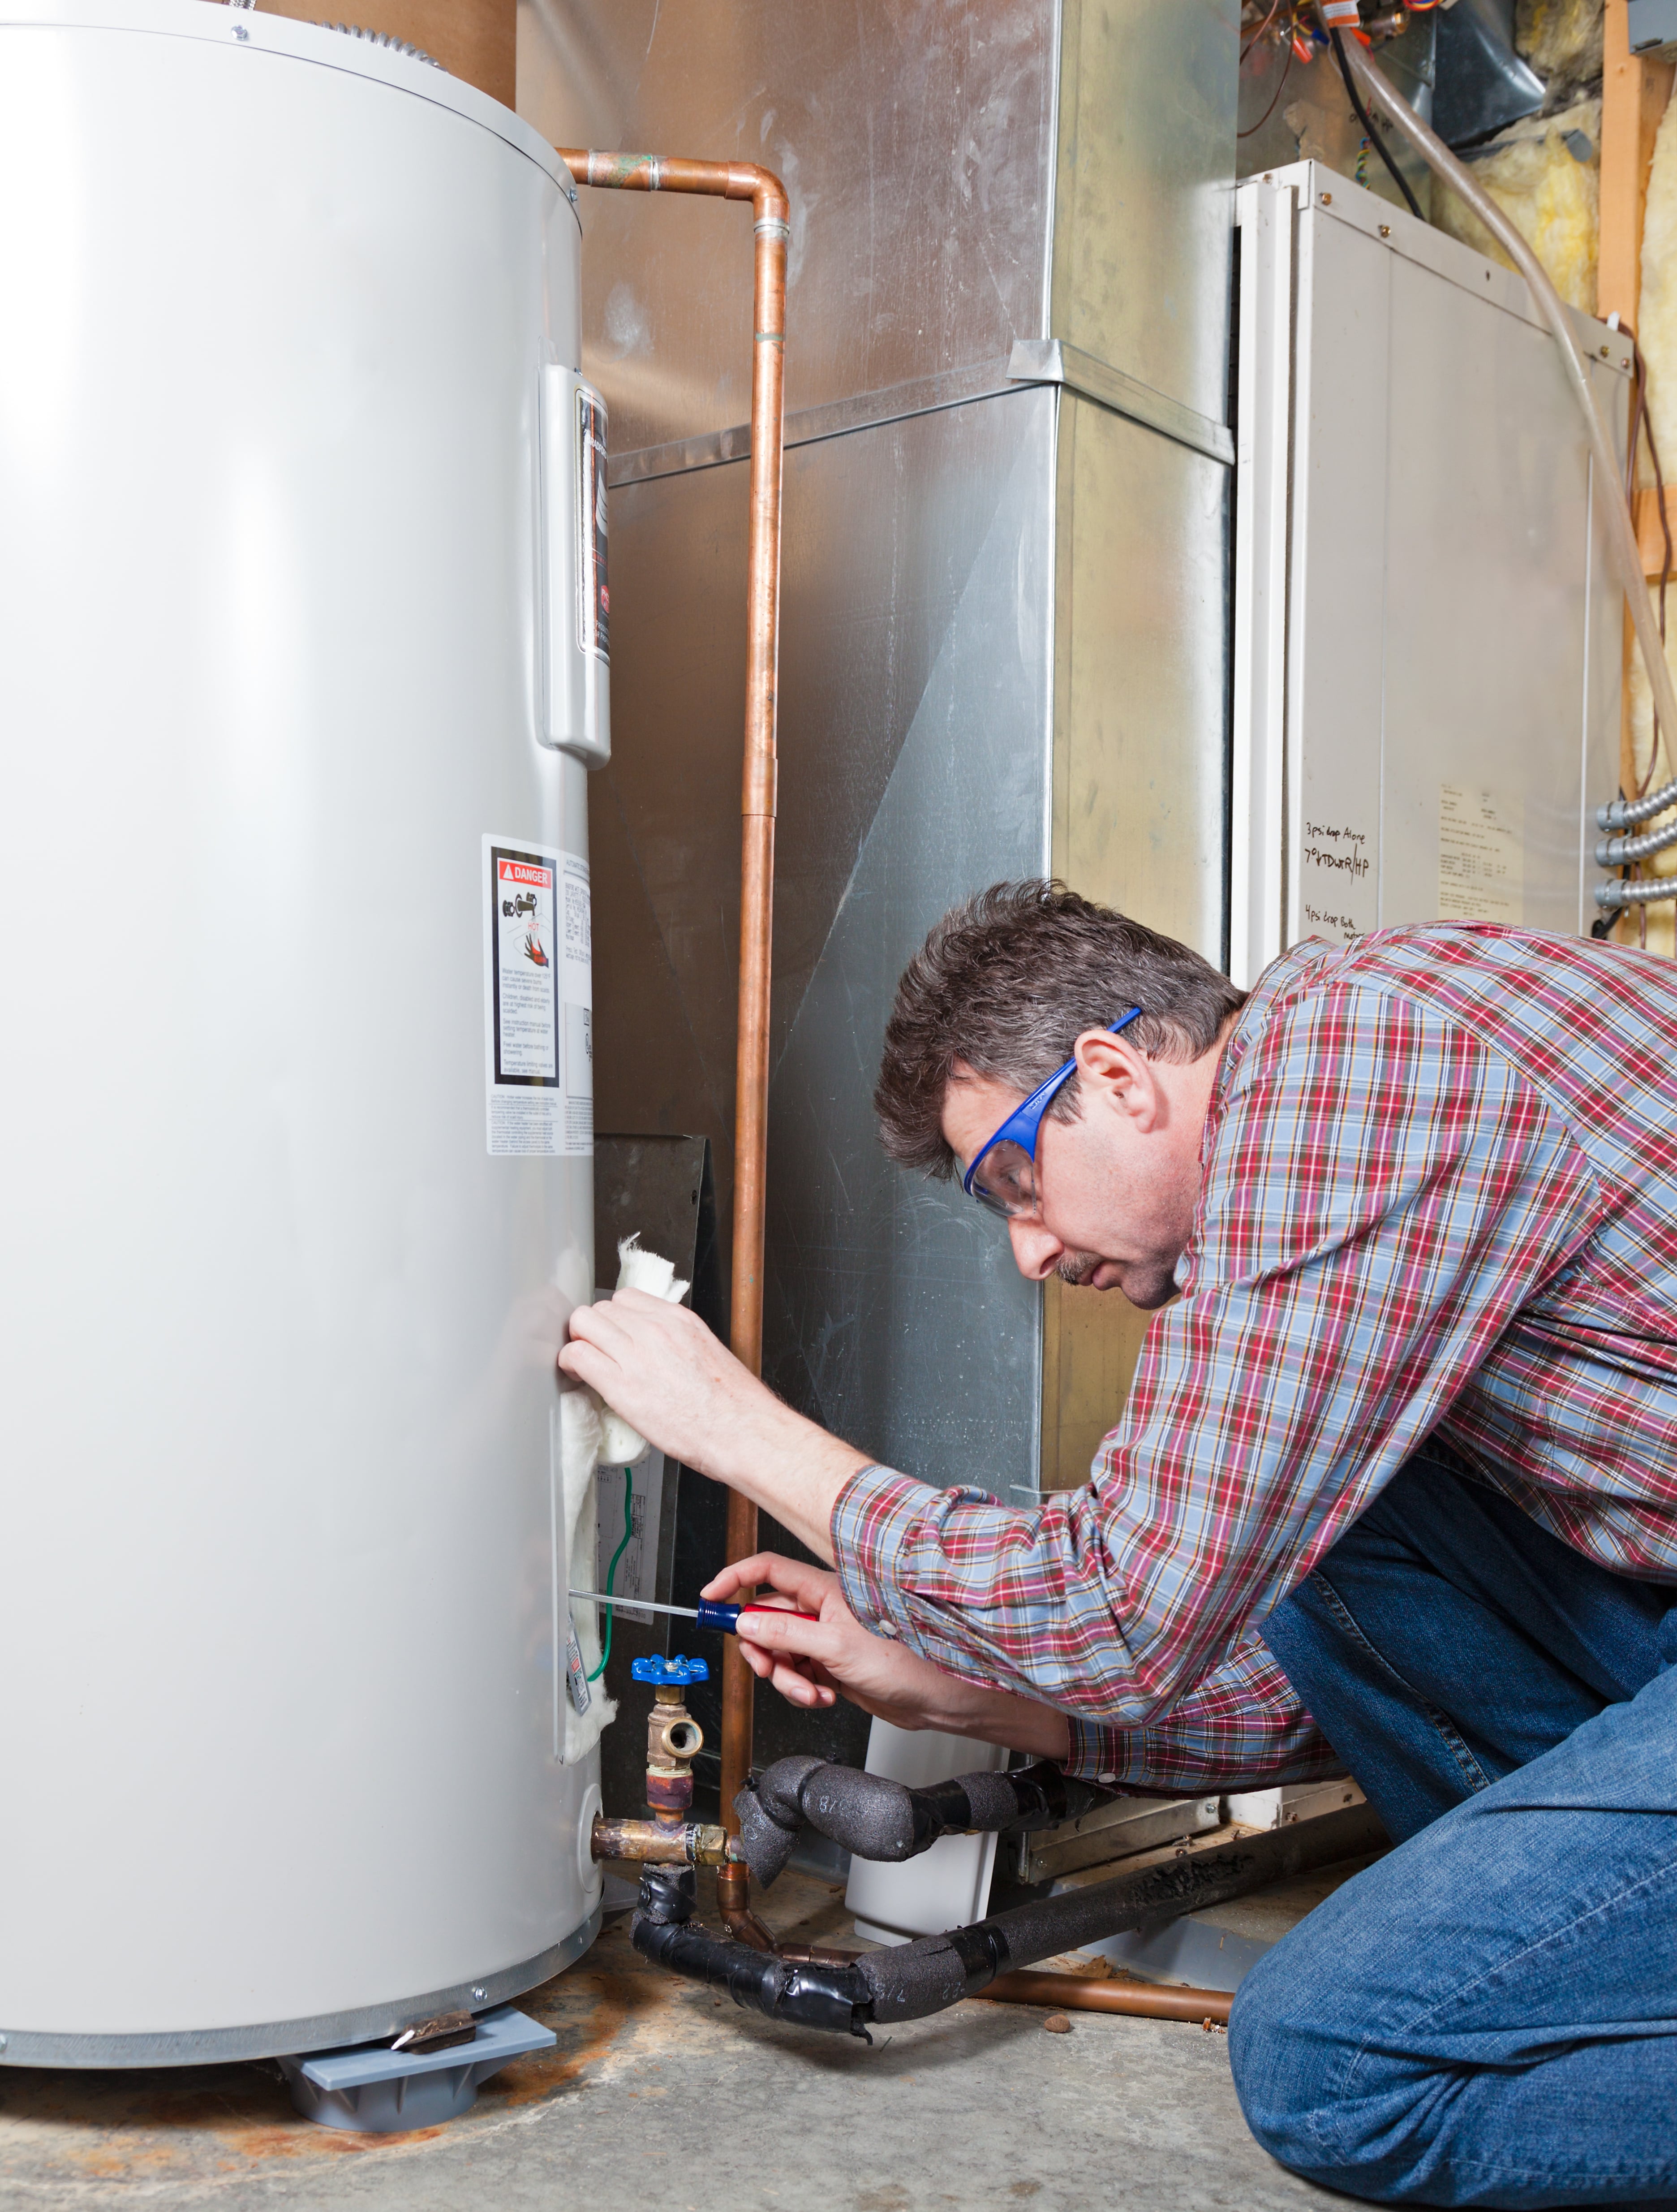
1113 1077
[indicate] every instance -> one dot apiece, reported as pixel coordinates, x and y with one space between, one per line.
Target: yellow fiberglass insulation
1659 925
1561 39
1545 174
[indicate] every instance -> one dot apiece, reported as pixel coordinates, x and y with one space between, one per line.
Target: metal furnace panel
914 707
1427 642
949 169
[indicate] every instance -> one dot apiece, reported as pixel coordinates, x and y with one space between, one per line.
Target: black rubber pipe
877 1819
916 1979
924 1977
833 1997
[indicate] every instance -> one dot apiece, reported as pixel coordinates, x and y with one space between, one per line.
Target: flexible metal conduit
1616 852
771 210
1619 814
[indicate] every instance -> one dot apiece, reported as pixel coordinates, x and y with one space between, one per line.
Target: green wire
611 1610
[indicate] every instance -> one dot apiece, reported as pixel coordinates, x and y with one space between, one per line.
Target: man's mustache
1078 1268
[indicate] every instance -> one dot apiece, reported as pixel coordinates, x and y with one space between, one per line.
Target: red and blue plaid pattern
1439 1199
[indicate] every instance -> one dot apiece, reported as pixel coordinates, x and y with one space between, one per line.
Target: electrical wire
1287 71
611 1572
1274 11
1367 121
1624 852
1642 427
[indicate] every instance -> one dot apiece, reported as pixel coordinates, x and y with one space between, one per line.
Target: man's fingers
588 1364
598 1325
799 1690
788 1634
805 1585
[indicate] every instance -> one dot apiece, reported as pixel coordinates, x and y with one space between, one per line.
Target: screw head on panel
479 1996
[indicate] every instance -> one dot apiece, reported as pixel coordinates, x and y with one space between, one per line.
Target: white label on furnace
522 1026
1481 857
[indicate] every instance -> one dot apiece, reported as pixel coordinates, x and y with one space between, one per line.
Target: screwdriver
710 1613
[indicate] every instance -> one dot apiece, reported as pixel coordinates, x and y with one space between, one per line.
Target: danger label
538 991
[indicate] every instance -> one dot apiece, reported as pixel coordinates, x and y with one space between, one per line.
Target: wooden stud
1634 94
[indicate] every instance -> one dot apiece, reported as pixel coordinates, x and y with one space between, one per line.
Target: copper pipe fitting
693 1844
1072 1993
734 1902
771 210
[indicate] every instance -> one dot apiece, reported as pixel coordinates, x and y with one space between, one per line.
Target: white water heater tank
302 661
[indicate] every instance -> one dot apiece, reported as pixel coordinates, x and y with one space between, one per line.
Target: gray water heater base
380 2092
222 2047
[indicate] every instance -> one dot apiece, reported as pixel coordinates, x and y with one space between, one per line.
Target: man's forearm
995 1717
787 1465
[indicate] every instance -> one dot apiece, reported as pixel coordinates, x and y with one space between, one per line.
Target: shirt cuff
1097 1753
873 1516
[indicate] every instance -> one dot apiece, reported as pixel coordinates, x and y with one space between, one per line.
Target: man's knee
1312 2095
1278 2056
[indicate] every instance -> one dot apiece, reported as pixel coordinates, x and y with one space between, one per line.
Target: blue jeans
1489 2015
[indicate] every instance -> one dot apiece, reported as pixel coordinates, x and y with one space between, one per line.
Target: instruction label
526 1100
1481 857
537 979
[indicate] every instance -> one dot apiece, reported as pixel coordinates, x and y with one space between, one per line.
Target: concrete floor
657 2087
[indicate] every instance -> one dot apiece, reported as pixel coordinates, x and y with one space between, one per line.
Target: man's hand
811 1662
661 1368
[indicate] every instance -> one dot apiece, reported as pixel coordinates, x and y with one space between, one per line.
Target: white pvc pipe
1615 506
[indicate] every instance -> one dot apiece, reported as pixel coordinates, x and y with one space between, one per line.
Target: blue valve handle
663 1672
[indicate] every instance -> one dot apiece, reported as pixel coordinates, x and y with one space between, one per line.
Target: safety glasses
1003 1173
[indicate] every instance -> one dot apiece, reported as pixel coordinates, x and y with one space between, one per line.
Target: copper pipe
744 180
1075 1993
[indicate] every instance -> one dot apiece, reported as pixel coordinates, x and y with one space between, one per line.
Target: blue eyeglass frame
1023 1126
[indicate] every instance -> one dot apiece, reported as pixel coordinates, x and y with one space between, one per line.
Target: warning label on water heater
537 993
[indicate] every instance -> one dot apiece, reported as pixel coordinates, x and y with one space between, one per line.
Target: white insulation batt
592 1435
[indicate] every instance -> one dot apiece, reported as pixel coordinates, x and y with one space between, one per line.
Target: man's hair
1004 986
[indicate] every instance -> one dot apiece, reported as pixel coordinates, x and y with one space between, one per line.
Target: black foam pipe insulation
878 1819
916 1980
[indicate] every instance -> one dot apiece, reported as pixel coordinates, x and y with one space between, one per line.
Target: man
1397 1476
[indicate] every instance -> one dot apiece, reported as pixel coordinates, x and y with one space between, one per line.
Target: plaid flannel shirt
1439 1200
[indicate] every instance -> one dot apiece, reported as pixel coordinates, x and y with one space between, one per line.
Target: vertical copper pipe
744 180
